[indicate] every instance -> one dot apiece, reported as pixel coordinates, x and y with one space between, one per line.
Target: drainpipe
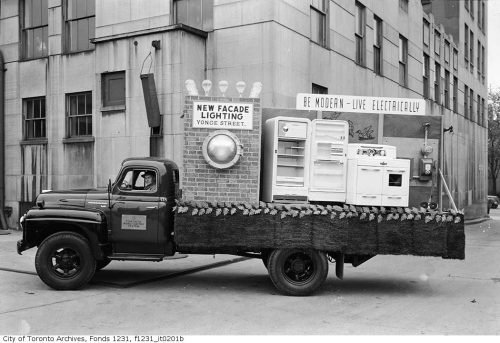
3 221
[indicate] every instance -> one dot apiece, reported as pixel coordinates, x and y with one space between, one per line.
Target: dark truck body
81 231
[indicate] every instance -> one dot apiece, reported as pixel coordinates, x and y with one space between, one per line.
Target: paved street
228 295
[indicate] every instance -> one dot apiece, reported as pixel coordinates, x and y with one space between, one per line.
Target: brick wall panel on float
200 181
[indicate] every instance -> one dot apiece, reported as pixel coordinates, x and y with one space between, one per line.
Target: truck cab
80 231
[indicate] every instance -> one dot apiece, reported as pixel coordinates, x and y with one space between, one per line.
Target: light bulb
240 87
223 87
206 85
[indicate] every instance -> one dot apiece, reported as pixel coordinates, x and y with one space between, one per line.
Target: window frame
136 174
360 37
318 89
34 120
25 30
455 94
323 14
106 103
466 45
466 101
446 89
471 53
70 117
67 28
437 42
378 41
403 5
437 83
426 76
403 60
426 33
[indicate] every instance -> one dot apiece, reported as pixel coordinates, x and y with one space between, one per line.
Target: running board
136 257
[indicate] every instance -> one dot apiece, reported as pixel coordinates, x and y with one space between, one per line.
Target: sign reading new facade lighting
223 115
221 149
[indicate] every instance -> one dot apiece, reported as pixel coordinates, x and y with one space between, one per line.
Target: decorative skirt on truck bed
227 227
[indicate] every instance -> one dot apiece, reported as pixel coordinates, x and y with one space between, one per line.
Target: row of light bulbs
223 86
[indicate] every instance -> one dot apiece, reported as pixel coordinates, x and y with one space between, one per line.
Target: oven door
396 178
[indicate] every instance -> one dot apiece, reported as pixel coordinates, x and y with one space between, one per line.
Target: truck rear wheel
64 261
297 271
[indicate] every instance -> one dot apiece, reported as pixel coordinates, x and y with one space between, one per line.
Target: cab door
135 213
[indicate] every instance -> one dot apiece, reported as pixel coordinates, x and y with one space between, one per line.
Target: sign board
360 104
223 115
133 222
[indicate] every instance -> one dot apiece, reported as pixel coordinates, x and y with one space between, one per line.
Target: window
455 94
427 33
478 113
471 53
35 28
79 24
426 74
437 42
466 45
113 89
377 45
79 114
455 59
447 52
403 5
403 61
34 118
466 102
471 8
437 83
446 89
471 104
479 20
478 60
483 118
317 89
318 22
138 180
482 64
195 13
483 10
360 34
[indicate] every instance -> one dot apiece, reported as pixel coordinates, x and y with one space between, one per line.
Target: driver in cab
149 181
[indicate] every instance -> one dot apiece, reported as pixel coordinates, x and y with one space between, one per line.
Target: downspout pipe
3 221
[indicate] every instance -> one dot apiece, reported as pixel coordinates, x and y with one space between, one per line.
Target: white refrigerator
327 171
286 159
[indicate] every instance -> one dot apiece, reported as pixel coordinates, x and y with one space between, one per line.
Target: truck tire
297 271
100 264
64 261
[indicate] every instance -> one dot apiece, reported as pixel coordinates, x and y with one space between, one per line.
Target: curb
477 220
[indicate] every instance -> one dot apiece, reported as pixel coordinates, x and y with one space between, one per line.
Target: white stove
375 177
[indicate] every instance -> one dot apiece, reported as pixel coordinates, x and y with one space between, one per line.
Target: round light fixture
221 149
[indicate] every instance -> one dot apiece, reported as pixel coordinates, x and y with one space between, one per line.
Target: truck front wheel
297 271
64 261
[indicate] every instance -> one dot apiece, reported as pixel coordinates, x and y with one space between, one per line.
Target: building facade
74 102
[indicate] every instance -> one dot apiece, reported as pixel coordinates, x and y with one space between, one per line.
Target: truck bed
228 228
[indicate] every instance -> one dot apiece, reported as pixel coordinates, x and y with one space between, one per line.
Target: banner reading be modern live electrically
223 115
360 104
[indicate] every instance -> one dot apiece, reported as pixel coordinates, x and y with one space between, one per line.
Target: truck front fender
38 224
